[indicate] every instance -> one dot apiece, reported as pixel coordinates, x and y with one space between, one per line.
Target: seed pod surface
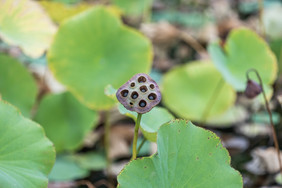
139 94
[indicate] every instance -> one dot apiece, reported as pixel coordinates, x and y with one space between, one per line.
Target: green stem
276 144
107 138
137 125
140 146
212 100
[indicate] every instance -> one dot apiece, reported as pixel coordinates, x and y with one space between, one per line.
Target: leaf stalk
276 144
134 147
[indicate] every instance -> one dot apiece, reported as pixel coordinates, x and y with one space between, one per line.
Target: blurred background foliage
61 62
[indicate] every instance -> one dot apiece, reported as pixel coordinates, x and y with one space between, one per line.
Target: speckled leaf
65 120
23 23
188 89
94 49
243 50
188 156
26 155
16 84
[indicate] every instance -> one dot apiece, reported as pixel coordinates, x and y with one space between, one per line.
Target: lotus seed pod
139 94
253 89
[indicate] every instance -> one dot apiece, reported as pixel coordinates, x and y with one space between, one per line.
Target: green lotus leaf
91 160
278 178
76 166
244 50
65 120
263 118
134 8
16 84
25 24
188 156
146 148
26 155
66 168
188 91
94 49
233 115
59 11
111 92
276 47
150 121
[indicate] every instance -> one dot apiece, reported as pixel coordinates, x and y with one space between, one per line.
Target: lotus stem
134 147
276 144
107 138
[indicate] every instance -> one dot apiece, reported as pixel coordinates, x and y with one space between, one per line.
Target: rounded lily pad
134 8
91 160
276 47
25 24
263 118
65 120
26 155
151 121
244 50
66 169
235 114
16 84
94 49
59 11
187 91
188 156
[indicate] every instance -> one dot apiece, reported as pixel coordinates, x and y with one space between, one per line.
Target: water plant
139 94
180 147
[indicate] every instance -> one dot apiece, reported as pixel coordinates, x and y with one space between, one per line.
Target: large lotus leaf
188 156
77 166
91 160
16 84
151 121
134 8
276 47
234 115
187 90
65 120
94 49
60 11
243 50
263 118
67 169
23 23
26 155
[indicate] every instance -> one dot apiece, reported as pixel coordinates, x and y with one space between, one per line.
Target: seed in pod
140 94
253 89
